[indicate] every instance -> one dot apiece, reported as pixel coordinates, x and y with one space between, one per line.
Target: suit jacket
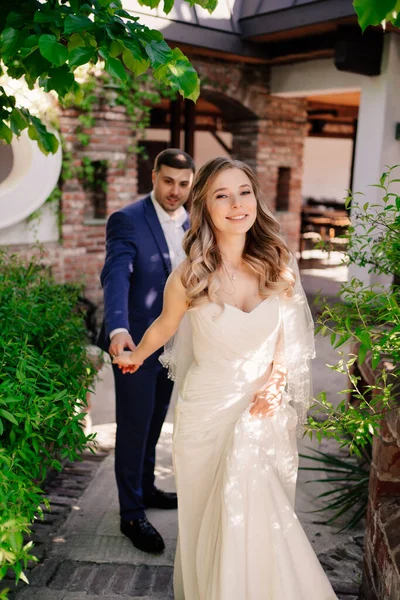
136 268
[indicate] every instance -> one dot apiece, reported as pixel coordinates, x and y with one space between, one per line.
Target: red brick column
381 576
273 143
83 238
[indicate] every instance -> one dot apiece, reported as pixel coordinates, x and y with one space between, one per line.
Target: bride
240 360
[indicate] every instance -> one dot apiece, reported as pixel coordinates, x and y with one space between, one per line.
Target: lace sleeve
298 347
178 352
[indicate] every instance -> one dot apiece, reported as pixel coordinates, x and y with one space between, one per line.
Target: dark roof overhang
301 14
205 38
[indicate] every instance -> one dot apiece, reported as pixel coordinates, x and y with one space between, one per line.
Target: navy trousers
142 400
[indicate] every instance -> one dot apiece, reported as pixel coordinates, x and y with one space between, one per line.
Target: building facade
292 88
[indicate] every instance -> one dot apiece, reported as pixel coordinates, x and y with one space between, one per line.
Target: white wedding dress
239 538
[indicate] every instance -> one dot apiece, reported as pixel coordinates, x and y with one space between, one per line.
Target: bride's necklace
231 278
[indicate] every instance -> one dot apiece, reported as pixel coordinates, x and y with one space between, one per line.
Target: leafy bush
44 377
369 316
368 321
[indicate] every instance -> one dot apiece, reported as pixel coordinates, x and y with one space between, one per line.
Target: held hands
266 402
119 342
127 361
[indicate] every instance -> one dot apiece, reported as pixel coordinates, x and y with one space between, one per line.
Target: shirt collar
178 217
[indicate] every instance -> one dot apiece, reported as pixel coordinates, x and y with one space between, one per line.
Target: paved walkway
86 557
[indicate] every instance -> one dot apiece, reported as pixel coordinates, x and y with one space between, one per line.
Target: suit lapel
186 224
158 234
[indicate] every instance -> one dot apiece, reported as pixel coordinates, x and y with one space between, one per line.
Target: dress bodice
225 334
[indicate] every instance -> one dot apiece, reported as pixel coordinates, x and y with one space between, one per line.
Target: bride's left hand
266 402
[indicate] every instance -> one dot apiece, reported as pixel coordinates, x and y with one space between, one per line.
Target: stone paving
84 556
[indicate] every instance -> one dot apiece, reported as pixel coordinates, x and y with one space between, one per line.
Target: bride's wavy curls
265 252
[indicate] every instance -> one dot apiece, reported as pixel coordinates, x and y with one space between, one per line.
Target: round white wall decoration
27 178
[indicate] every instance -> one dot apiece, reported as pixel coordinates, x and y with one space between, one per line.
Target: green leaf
180 74
150 3
18 121
116 48
9 42
159 53
372 12
362 352
75 23
5 133
47 141
116 69
44 16
75 41
133 46
29 45
60 80
36 66
15 538
7 415
80 56
365 338
375 360
168 5
50 49
16 20
138 67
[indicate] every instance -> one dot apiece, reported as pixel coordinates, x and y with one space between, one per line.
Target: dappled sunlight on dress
239 538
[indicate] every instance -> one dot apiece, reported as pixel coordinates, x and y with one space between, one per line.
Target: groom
143 245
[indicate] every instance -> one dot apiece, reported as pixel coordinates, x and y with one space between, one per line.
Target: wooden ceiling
343 98
329 115
333 115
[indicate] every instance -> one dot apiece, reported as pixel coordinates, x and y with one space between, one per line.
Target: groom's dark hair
174 158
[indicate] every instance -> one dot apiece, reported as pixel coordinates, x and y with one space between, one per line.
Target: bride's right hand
127 361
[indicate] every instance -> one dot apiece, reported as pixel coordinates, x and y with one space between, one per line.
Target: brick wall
83 237
272 142
381 574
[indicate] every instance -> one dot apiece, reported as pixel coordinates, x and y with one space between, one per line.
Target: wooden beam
175 126
343 136
353 154
190 126
221 142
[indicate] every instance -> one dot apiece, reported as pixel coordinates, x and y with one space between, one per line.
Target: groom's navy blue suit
133 278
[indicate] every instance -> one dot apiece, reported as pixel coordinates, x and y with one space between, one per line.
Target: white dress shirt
172 226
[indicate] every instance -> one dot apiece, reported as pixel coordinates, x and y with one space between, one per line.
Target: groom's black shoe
160 499
143 535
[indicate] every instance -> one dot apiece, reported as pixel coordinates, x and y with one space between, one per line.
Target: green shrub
368 317
44 378
367 320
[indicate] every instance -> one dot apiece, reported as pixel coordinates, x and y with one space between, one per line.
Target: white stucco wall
42 229
312 77
327 165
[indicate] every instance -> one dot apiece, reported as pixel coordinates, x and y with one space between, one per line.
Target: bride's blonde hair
265 252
